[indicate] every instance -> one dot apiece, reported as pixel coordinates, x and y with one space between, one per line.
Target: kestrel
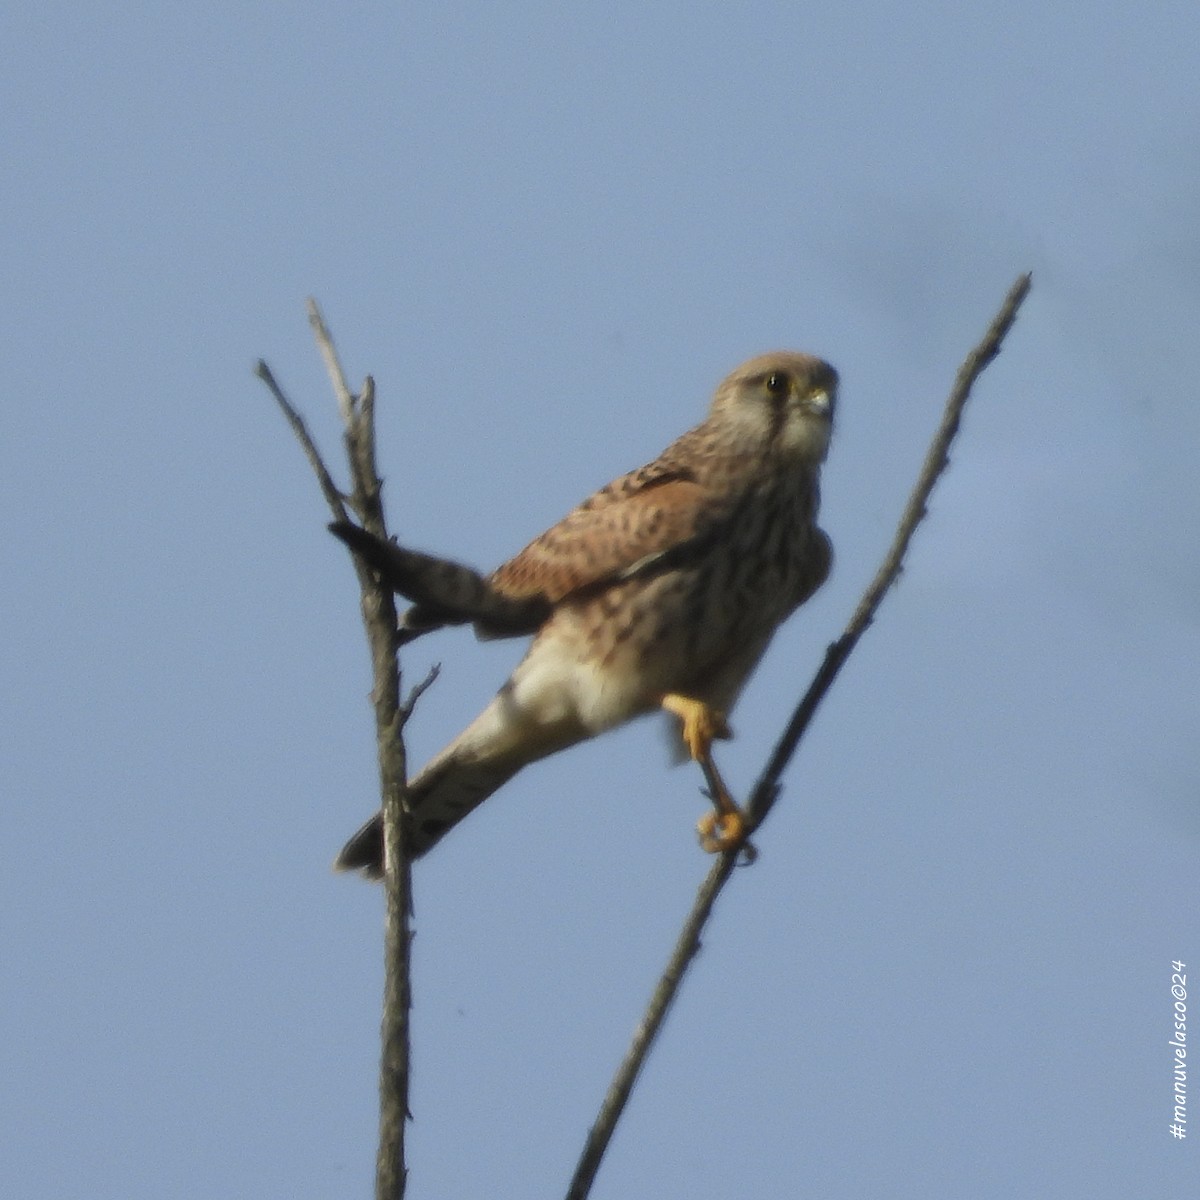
660 591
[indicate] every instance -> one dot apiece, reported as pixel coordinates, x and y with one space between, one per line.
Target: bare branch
379 618
766 790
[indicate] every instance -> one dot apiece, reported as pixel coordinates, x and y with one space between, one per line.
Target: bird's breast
700 623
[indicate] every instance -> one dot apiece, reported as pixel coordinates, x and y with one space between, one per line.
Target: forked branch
379 618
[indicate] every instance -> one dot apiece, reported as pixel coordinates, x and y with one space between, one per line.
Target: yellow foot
724 831
701 725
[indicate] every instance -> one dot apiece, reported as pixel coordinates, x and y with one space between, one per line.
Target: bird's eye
777 383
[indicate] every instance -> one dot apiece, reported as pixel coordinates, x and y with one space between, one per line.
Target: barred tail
439 798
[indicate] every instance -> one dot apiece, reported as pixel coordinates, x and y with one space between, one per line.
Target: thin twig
337 376
379 618
406 709
300 429
766 790
360 449
366 418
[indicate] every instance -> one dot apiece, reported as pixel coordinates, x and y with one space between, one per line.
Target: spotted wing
640 523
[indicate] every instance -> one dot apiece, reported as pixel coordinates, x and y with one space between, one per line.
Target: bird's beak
820 402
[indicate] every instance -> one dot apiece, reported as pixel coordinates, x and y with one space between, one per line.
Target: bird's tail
443 592
436 803
484 757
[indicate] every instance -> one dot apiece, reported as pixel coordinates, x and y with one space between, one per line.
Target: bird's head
780 403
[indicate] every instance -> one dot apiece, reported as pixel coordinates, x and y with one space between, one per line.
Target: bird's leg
725 828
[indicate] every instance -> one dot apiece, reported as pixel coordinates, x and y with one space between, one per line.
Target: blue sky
548 234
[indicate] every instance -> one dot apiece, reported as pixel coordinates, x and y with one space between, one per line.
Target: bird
661 591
